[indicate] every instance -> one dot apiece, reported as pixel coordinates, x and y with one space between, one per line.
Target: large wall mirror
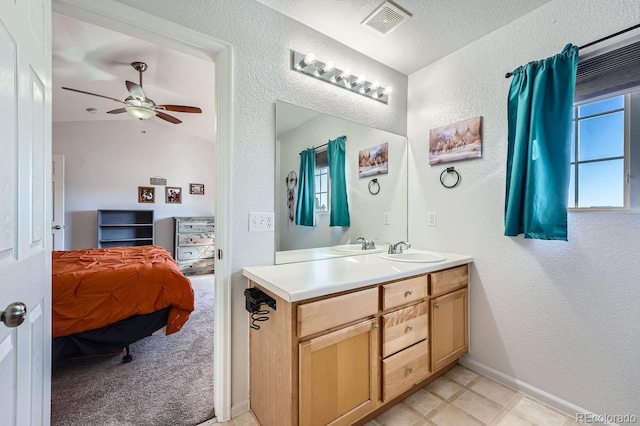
378 209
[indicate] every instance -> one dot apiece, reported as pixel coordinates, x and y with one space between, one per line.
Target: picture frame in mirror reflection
374 160
457 141
298 129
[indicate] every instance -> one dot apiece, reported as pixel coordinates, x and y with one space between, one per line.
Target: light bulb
344 75
361 79
328 66
309 59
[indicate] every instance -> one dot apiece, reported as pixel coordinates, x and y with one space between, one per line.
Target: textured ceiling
436 28
93 59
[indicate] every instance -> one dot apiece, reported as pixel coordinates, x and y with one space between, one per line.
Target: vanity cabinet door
449 328
339 375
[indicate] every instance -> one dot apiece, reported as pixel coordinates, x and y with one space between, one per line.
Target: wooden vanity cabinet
449 318
336 359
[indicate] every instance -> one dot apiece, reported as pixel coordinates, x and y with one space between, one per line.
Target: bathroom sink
355 249
415 256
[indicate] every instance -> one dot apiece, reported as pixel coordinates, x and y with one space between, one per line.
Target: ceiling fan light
140 113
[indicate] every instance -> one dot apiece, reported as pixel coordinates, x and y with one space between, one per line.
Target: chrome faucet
366 244
397 247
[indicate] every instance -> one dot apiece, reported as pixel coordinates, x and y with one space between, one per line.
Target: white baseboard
240 408
558 403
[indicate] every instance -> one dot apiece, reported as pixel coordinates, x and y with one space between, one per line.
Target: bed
106 299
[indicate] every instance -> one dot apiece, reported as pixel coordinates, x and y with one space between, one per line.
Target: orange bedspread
93 288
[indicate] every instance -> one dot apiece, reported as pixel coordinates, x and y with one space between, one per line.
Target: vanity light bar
326 71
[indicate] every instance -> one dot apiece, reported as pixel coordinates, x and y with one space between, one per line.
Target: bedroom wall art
146 194
173 195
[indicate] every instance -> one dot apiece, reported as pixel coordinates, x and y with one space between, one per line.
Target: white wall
106 161
365 210
262 39
562 317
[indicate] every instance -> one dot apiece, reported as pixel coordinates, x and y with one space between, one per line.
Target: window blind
610 72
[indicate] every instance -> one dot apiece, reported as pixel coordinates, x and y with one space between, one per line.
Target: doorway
121 18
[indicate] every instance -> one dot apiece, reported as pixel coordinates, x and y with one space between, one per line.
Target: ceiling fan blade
135 90
167 117
181 108
93 94
117 111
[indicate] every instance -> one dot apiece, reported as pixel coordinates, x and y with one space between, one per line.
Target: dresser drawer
403 328
404 369
403 292
196 252
448 280
325 314
196 227
196 239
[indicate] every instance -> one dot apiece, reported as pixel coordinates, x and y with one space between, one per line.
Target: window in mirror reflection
322 189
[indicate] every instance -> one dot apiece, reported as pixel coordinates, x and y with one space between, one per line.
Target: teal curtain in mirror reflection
305 207
538 160
339 215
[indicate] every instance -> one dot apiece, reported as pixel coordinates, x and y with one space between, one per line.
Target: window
598 146
322 189
605 148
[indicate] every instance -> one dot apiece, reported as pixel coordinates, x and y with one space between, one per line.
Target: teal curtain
305 207
539 134
339 215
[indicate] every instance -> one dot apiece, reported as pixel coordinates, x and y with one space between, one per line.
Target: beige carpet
169 382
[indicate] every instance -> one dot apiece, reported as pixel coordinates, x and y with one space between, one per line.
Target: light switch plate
386 218
261 222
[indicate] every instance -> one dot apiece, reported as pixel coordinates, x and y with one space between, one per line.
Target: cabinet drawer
403 292
196 227
403 328
195 252
325 314
448 280
405 369
196 239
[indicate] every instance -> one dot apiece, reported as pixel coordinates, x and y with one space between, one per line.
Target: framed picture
173 195
196 188
374 160
146 194
457 141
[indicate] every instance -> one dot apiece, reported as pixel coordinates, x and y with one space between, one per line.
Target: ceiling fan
140 106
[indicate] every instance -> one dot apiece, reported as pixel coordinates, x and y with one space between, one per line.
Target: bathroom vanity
351 336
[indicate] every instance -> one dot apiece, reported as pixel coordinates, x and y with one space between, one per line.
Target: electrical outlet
261 222
386 218
431 219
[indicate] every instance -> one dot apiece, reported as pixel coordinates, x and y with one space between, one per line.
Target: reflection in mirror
377 209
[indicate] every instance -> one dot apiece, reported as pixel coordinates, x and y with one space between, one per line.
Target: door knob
56 227
14 314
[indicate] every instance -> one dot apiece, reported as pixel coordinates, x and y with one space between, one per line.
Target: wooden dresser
194 244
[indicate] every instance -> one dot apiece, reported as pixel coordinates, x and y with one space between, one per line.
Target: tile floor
460 398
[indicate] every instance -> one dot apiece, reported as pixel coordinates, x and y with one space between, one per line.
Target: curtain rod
325 144
507 75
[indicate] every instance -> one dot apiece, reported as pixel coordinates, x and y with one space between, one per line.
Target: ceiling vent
386 18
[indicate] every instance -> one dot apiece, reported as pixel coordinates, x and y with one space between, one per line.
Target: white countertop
304 280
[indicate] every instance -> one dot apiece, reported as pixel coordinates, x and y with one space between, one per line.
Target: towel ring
449 170
374 187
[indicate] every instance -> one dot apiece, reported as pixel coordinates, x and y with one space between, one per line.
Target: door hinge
219 254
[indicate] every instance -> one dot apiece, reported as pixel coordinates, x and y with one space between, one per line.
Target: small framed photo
196 188
146 194
173 195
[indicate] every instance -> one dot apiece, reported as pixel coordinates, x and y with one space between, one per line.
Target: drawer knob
436 305
408 293
409 327
376 326
409 370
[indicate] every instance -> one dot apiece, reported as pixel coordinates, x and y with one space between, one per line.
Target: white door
25 203
57 209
